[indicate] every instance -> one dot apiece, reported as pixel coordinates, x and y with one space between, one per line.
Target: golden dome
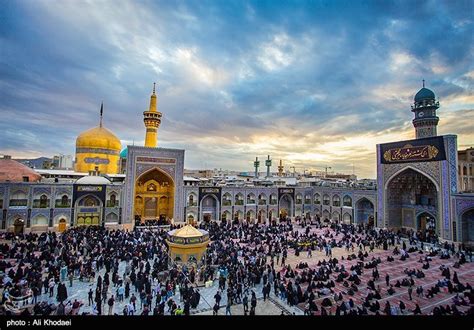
98 137
187 231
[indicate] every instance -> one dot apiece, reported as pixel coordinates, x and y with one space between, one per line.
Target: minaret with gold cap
280 169
152 120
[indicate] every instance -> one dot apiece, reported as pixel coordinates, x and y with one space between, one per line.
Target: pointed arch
40 220
364 209
408 191
347 201
156 187
394 175
209 208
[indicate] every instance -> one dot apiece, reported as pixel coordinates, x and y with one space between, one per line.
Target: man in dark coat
62 292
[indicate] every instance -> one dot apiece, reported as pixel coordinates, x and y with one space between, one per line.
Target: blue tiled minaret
425 107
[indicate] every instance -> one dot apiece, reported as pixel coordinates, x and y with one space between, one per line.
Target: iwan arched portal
411 193
154 196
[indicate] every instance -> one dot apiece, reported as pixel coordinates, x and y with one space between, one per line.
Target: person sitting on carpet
371 284
445 255
375 307
326 302
391 290
417 310
458 300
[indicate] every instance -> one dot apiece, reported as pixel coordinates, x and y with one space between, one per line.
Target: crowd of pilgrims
240 257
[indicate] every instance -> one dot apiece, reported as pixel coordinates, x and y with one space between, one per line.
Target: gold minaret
152 119
280 169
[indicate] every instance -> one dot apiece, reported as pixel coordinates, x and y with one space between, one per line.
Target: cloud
312 83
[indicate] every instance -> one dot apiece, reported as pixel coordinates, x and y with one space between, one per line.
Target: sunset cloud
313 83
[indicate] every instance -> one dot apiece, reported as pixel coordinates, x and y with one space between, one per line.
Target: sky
314 83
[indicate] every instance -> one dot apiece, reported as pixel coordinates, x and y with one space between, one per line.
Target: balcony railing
226 202
239 202
250 201
59 203
112 203
348 204
317 202
273 201
336 203
307 201
326 202
18 202
262 202
299 201
40 204
192 204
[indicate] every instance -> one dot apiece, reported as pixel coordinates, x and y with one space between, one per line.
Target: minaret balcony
425 121
152 122
151 114
425 105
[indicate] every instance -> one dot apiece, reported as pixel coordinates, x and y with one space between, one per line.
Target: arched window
299 199
64 201
238 215
347 218
227 199
226 216
326 200
336 200
250 215
192 200
273 199
43 201
250 199
112 201
317 199
347 201
90 202
464 170
239 199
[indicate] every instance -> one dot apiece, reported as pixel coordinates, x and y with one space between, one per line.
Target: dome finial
423 83
154 88
101 113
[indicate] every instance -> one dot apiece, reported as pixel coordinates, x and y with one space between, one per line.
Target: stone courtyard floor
263 308
275 306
